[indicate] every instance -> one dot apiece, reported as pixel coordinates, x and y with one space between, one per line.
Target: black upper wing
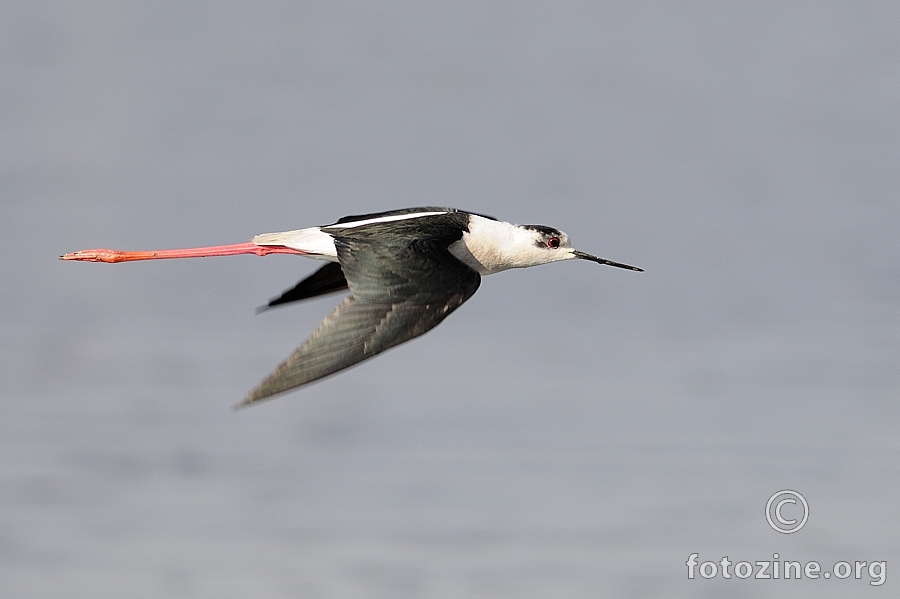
403 282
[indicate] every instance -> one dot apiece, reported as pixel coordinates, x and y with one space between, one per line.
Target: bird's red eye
553 242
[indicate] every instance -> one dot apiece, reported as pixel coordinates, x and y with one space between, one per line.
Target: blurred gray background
572 431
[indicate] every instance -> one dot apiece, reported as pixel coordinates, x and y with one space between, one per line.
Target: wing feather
328 279
399 290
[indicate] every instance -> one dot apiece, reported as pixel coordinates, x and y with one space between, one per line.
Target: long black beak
593 258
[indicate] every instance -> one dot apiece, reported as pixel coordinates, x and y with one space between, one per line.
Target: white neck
491 246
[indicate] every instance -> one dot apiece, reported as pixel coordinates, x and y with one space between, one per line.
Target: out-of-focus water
573 431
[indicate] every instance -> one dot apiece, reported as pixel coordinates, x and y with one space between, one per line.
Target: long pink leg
104 255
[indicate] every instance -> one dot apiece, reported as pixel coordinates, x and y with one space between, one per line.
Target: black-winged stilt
406 271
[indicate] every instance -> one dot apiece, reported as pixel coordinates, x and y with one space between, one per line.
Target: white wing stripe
382 219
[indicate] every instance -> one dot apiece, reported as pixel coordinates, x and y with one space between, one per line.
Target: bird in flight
406 271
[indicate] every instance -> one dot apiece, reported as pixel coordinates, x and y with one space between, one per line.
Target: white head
540 244
492 246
